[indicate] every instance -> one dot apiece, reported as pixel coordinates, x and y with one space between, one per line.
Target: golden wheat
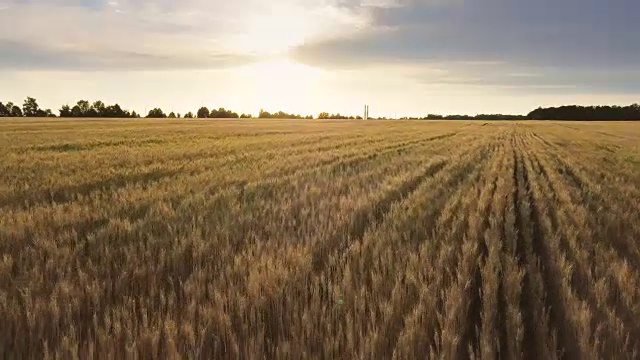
319 239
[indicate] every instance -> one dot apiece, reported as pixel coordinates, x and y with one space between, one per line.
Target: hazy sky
403 57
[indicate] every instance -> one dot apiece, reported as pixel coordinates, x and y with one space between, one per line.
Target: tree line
568 112
29 108
631 112
98 109
281 115
85 109
326 115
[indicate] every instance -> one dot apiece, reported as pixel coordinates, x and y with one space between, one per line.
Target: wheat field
140 239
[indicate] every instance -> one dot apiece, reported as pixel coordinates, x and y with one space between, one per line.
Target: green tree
15 111
30 107
156 113
188 115
217 113
172 115
115 111
65 111
84 107
3 110
203 113
100 108
10 106
223 113
76 111
264 114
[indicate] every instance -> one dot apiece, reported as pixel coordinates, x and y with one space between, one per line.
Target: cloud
17 56
456 33
161 34
543 45
567 43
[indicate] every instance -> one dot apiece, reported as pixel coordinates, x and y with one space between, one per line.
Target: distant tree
203 112
115 111
278 115
65 111
188 115
76 111
326 115
30 107
100 109
84 107
172 115
156 113
3 110
264 114
216 113
178 116
12 110
49 113
15 111
499 117
223 113
246 116
134 114
91 113
574 112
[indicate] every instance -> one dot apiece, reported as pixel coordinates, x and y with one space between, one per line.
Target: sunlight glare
283 84
275 32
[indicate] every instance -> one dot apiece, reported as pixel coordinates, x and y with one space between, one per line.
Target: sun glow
276 72
275 32
283 84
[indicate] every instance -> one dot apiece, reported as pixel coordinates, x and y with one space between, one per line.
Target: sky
402 57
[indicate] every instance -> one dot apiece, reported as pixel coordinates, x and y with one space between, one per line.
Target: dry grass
308 239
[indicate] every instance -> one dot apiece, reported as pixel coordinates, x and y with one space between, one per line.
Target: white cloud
167 29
